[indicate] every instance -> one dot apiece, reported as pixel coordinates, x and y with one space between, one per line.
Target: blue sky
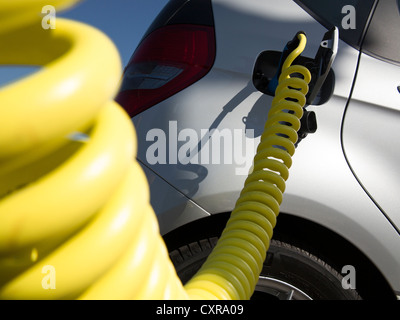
124 21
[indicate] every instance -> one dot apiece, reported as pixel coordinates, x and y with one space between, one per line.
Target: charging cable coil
233 267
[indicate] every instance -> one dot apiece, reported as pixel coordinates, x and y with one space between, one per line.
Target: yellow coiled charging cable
75 218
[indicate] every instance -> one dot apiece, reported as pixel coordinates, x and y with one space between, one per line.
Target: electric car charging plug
268 69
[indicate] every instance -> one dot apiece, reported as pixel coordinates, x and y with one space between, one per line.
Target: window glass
383 37
350 16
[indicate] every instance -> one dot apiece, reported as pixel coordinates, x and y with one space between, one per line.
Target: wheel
289 272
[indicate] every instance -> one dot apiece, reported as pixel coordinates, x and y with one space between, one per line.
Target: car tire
289 272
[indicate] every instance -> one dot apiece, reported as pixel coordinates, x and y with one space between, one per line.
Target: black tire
289 272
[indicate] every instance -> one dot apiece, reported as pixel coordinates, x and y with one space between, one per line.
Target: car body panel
371 133
176 208
321 188
230 98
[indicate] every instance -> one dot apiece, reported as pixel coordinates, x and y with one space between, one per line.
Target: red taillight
167 61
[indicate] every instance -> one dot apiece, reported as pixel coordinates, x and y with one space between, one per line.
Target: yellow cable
241 250
80 206
73 199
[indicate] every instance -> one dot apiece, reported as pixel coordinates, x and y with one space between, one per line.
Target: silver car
191 92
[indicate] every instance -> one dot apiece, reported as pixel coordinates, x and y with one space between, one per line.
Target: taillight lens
167 61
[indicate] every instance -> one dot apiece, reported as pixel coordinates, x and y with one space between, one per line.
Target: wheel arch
311 236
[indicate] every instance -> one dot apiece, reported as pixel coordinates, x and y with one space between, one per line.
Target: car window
383 36
350 16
